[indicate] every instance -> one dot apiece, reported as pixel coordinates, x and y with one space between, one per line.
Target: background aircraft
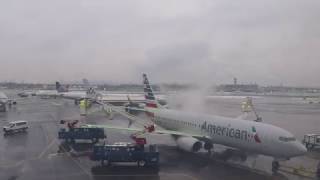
113 98
5 102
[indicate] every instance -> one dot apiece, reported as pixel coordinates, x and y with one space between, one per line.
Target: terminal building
235 87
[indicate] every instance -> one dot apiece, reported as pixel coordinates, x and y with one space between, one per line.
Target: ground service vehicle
81 133
16 126
126 152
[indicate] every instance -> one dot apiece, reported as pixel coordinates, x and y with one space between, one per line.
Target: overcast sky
263 41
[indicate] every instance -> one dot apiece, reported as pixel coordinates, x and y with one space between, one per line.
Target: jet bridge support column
3 107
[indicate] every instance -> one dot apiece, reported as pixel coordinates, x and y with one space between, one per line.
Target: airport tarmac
34 155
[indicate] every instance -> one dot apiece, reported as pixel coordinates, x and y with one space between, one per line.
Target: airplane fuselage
246 135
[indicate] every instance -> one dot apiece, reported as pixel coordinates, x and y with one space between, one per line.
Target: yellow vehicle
85 104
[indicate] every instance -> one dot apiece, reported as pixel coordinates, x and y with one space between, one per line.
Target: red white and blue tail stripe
148 93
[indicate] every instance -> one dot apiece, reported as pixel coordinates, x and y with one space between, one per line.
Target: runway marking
145 175
85 163
56 104
46 149
129 175
79 165
13 165
45 132
180 174
65 175
55 154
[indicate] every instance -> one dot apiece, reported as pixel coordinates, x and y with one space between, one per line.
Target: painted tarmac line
46 148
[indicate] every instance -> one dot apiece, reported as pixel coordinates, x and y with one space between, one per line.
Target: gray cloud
268 42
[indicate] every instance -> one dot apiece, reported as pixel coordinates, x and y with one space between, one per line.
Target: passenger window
286 139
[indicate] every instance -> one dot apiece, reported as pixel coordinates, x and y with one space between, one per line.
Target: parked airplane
5 101
47 93
192 131
112 98
312 100
3 97
61 88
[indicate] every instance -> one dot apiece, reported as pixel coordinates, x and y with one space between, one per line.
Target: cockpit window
287 139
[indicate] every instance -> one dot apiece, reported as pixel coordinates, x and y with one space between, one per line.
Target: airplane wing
178 133
121 111
136 119
167 132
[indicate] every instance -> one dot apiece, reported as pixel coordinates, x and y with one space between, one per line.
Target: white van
16 126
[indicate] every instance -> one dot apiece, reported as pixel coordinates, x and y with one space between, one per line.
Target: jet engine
189 144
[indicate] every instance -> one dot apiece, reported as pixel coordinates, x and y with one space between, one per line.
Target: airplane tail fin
85 82
91 91
60 88
129 100
149 95
58 85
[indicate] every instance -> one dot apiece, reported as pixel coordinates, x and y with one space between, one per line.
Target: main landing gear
76 102
209 147
275 166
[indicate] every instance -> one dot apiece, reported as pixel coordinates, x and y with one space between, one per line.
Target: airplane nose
304 149
301 149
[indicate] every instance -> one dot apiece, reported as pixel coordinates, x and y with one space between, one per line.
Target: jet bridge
311 141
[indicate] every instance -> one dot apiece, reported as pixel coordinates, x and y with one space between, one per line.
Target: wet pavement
35 154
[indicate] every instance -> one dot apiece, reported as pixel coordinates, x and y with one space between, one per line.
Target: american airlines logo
255 135
231 132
